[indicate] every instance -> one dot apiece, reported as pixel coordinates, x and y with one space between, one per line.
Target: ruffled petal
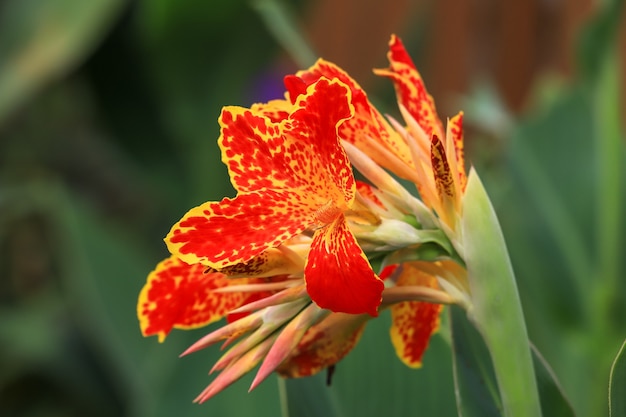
413 322
299 152
275 110
180 295
324 345
410 88
368 129
338 275
233 231
256 151
324 165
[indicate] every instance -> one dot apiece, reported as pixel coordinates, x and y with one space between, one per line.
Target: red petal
410 88
338 274
315 123
413 322
324 345
180 295
301 152
388 271
367 125
275 110
236 230
256 151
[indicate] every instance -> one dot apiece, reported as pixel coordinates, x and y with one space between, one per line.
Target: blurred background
108 128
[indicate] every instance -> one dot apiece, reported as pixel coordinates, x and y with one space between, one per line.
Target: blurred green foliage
108 121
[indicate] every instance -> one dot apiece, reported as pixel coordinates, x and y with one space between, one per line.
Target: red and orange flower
287 258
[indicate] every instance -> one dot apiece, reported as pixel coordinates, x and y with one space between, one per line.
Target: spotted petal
233 231
454 146
410 88
180 295
368 129
338 275
290 176
324 345
301 151
413 322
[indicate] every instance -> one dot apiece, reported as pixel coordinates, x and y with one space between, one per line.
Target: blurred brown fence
509 42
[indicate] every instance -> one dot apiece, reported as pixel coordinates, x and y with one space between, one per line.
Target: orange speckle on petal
413 322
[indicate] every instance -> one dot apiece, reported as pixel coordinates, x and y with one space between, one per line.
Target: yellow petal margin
324 345
180 295
413 322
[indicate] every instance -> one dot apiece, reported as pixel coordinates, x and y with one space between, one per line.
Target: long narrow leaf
307 397
474 379
617 384
496 308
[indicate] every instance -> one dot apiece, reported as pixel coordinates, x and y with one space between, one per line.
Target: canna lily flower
291 176
287 259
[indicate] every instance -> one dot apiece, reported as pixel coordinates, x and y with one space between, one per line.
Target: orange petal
413 322
324 345
455 135
444 181
337 273
410 88
180 295
219 234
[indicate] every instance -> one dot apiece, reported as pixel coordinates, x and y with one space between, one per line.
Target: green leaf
617 384
42 40
496 308
307 397
475 381
282 25
553 400
474 378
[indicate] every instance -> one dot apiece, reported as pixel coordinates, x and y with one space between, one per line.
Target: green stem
496 307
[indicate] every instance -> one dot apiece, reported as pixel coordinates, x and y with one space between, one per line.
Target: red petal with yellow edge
410 88
324 345
413 322
236 230
275 110
338 275
301 152
180 295
324 165
257 152
367 125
